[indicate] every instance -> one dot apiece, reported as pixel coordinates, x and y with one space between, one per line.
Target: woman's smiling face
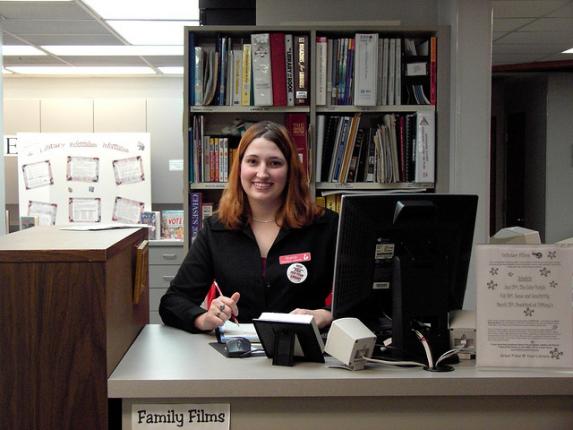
264 172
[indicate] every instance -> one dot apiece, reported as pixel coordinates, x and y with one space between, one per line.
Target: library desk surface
166 365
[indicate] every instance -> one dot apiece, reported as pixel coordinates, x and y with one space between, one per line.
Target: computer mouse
238 347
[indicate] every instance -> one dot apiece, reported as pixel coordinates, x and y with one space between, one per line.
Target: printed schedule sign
524 298
211 416
69 178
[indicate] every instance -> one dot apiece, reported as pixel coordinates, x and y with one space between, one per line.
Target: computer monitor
402 263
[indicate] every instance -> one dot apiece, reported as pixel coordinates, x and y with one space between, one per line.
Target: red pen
233 317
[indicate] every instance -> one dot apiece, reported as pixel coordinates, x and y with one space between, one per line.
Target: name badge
294 258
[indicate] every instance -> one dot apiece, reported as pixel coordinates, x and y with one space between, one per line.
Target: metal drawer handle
169 256
168 277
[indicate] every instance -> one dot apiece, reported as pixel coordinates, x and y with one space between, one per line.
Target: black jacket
232 257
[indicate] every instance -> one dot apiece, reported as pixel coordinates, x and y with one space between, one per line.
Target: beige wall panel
67 116
120 115
21 115
164 117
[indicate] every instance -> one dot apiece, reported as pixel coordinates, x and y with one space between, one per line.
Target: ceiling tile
550 24
535 37
498 59
167 61
525 9
536 49
37 27
40 10
105 61
76 39
510 24
563 12
32 61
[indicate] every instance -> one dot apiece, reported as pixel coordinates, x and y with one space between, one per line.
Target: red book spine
297 125
278 68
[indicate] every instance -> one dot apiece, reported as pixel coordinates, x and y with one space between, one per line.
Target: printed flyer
524 297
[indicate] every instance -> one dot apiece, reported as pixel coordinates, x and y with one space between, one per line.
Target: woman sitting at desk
269 246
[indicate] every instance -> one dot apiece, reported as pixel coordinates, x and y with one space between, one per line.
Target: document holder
287 342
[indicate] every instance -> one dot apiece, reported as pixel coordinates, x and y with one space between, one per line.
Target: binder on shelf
262 75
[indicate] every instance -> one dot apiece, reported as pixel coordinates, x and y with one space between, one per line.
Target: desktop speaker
349 341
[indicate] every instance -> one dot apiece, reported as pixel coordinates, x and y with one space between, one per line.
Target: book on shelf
28 222
195 213
172 224
246 70
297 125
365 69
237 79
321 70
206 211
197 76
289 62
223 43
301 70
398 73
153 220
320 131
278 68
262 75
425 147
433 69
191 69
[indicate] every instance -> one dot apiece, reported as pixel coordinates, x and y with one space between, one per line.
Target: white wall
153 105
559 178
2 189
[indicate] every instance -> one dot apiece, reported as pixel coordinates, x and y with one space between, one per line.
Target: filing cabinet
165 257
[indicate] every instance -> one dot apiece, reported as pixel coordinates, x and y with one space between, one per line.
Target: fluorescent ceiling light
151 32
6 72
171 70
20 50
65 70
569 51
114 50
34 1
145 9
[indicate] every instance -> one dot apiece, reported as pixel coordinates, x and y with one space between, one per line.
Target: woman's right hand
222 308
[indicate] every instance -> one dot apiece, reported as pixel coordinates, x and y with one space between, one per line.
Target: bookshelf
421 90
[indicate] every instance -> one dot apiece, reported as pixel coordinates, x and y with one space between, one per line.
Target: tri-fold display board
69 178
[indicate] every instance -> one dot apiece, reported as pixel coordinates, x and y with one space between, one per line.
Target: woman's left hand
322 317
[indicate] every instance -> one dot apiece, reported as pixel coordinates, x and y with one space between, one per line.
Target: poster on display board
71 178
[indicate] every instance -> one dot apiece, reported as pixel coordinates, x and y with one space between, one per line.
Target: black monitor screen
403 258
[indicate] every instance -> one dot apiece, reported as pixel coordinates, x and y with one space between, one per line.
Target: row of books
400 148
367 70
269 69
166 224
211 157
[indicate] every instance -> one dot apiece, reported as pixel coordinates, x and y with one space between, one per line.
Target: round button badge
297 273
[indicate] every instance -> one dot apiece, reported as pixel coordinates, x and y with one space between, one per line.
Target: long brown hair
298 207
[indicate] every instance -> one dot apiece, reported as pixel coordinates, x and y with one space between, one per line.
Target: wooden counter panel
54 355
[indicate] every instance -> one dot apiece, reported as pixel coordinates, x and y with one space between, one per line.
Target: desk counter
169 365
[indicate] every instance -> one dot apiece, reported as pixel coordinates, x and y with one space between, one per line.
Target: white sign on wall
210 416
67 178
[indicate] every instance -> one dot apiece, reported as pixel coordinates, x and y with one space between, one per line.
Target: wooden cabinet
67 318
